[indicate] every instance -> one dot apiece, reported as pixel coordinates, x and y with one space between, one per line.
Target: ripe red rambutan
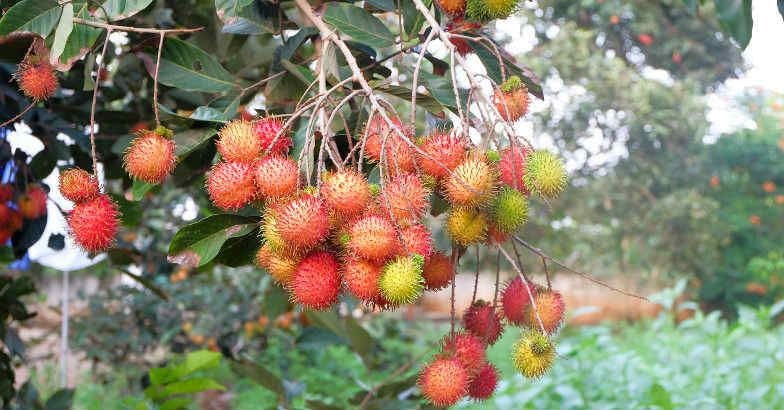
416 240
472 183
32 204
280 267
511 99
303 221
6 192
150 157
36 78
452 7
405 199
466 348
516 300
482 320
237 142
361 278
397 156
495 236
373 237
93 223
483 384
550 307
377 131
347 192
438 271
444 151
231 185
267 130
276 177
316 281
444 382
78 185
512 167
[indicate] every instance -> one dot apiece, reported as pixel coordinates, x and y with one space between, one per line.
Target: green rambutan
533 354
486 10
401 279
545 174
466 226
510 210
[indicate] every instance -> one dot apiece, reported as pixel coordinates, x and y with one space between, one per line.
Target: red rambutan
32 204
267 130
452 7
511 99
78 185
444 151
466 348
237 142
550 308
231 185
516 300
373 237
94 223
316 281
416 239
347 192
6 192
444 382
36 78
438 271
150 157
303 221
482 320
280 267
276 177
361 278
512 167
405 198
483 384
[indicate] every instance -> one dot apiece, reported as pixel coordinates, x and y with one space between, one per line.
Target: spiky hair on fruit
444 381
361 278
495 236
510 210
472 183
533 354
545 174
303 221
483 321
511 98
452 7
438 271
512 167
276 177
347 192
466 226
405 198
36 78
516 300
401 280
150 156
372 237
378 132
483 384
270 233
237 142
442 151
267 130
486 10
77 185
416 239
6 192
550 309
281 267
231 185
93 223
32 204
386 145
316 281
466 348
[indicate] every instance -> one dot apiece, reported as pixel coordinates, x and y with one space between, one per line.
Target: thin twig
114 27
476 276
95 100
526 285
155 81
18 116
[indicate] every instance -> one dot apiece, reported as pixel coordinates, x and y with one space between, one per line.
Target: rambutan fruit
550 309
495 236
510 210
483 384
443 152
94 223
231 185
545 174
150 157
347 192
281 267
32 204
401 279
466 348
6 192
472 183
78 185
316 281
267 130
483 321
516 300
452 7
397 156
511 97
512 167
303 222
237 142
361 278
444 382
416 239
533 354
405 198
486 10
378 132
276 177
372 237
10 219
438 271
36 78
466 226
269 231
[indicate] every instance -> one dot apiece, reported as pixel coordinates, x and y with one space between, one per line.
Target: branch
95 99
113 27
18 116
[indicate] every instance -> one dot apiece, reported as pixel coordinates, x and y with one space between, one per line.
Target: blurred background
674 140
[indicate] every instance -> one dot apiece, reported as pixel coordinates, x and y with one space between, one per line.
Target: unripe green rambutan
347 192
511 97
361 279
406 199
401 279
516 300
483 384
150 156
510 210
545 174
280 267
373 237
276 177
486 10
32 204
237 142
316 281
78 185
472 183
231 185
444 151
483 321
302 222
512 167
416 239
550 309
267 130
466 348
466 226
438 271
444 382
533 354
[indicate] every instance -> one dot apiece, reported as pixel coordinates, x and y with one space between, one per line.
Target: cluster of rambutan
95 218
14 209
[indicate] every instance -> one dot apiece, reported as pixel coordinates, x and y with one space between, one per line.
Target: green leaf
412 18
194 385
61 34
36 16
80 41
660 397
286 50
43 163
242 16
425 101
198 243
122 9
781 8
131 211
188 141
176 403
185 66
346 327
60 400
735 18
359 24
492 65
260 375
147 283
139 189
6 254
